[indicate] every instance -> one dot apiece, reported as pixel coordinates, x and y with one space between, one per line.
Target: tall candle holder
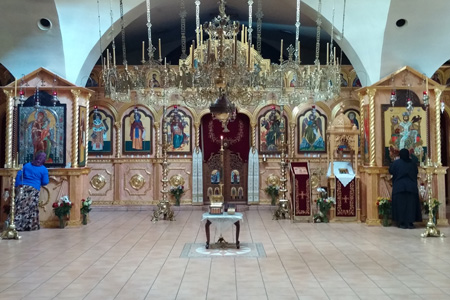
164 206
431 230
10 233
283 204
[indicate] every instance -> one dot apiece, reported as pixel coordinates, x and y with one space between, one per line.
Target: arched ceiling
372 41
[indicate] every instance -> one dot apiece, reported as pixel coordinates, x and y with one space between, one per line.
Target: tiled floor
122 255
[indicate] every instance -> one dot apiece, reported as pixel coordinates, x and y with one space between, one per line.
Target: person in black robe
405 194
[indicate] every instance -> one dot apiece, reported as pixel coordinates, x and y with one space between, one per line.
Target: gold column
437 107
361 126
86 143
292 141
75 121
118 125
197 135
371 93
9 128
158 137
253 126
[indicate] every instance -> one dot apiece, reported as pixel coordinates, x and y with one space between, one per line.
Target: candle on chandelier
15 88
192 53
328 53
201 34
242 34
298 47
159 45
107 58
198 35
334 54
221 141
245 35
114 57
281 50
143 51
426 84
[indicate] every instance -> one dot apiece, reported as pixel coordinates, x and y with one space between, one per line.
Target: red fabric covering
345 199
302 192
238 139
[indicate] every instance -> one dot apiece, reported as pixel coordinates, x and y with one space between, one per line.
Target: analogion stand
222 222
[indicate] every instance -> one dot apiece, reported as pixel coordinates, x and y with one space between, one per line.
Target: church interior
170 125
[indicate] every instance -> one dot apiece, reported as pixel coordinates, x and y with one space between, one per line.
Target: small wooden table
222 222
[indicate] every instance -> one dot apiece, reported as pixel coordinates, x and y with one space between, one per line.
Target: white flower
331 199
65 199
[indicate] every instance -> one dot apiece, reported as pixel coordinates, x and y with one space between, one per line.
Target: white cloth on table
342 177
222 222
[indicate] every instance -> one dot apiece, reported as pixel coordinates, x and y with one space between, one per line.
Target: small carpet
191 250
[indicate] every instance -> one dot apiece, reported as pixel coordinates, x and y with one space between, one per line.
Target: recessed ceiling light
44 24
401 22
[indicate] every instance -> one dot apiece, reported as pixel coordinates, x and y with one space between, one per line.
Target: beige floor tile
123 255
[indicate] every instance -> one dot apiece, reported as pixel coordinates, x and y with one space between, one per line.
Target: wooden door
233 175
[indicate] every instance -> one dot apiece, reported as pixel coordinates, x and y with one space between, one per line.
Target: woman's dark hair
404 155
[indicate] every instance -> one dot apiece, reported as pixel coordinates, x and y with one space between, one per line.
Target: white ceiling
372 42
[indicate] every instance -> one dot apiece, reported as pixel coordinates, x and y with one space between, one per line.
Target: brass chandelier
223 66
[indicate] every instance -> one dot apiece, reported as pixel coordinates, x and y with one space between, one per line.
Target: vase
85 219
325 216
274 199
177 201
385 222
62 222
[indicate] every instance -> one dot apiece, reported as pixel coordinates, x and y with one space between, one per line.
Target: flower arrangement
176 192
62 207
273 191
384 209
323 206
85 206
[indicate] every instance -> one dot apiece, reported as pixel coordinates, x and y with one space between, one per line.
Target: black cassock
405 194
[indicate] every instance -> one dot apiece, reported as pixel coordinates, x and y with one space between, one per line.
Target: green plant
62 207
85 206
273 191
176 193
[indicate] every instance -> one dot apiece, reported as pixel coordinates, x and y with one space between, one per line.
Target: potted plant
323 207
176 193
434 206
85 209
273 191
384 209
61 209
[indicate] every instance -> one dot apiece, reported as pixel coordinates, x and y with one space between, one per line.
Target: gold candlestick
431 230
10 232
164 207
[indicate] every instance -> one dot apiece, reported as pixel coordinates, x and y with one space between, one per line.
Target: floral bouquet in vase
176 192
61 209
85 208
273 191
323 207
384 209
